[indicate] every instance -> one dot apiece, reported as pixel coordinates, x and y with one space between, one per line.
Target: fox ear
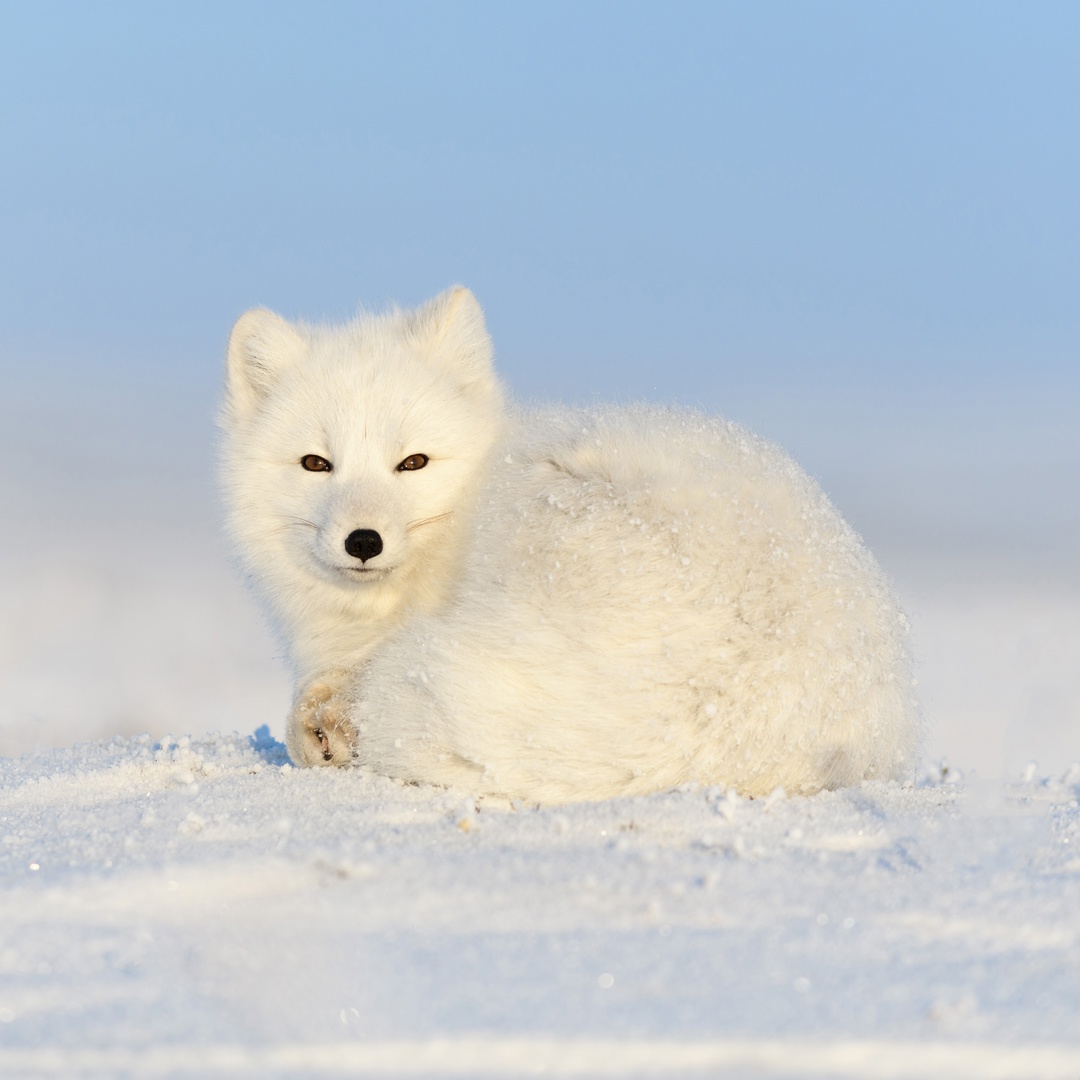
452 326
260 345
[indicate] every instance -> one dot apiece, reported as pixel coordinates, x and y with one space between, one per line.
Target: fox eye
314 463
413 462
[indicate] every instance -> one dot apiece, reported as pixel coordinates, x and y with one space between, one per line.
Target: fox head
352 453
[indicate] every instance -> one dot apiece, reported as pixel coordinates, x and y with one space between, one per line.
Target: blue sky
769 209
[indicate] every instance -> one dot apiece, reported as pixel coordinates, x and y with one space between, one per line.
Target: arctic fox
546 605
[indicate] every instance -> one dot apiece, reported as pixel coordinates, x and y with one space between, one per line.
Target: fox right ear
451 327
260 345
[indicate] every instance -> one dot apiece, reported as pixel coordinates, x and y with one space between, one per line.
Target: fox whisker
427 521
303 522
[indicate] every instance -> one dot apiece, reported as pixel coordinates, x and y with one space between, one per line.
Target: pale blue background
854 226
813 217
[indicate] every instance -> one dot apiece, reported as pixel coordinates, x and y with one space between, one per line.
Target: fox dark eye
314 463
413 462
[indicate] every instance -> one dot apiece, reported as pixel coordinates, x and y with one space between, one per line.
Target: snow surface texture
200 906
299 897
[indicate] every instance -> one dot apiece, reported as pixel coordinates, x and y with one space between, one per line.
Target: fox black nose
363 544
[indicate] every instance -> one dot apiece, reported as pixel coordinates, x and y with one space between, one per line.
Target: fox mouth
371 573
367 575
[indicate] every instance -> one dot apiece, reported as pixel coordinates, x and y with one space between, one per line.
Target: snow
193 905
173 903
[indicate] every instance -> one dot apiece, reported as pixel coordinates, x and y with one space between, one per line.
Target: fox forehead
367 409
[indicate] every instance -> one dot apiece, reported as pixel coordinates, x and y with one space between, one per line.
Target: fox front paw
319 731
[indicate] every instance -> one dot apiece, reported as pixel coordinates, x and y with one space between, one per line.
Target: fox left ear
453 328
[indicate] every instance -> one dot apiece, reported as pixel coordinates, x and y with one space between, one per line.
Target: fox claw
319 732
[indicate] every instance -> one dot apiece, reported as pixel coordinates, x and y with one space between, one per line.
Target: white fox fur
567 604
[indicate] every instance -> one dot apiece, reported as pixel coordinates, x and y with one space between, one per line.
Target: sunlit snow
192 904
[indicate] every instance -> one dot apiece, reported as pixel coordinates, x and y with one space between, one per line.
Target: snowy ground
194 906
196 901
